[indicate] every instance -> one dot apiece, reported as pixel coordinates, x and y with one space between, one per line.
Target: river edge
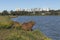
6 23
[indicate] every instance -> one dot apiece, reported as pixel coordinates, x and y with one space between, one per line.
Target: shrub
16 25
5 22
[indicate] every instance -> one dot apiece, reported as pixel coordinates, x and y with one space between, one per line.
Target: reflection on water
49 25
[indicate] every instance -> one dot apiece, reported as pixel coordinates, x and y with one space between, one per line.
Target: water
49 25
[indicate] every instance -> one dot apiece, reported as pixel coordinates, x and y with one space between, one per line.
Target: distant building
45 9
43 13
17 9
33 9
29 10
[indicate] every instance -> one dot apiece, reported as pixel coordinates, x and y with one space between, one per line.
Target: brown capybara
28 26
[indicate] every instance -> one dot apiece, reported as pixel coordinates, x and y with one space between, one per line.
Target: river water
49 25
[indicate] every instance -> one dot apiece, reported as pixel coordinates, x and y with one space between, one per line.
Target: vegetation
27 13
14 34
7 33
5 22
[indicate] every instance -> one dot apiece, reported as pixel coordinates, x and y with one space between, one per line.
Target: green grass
13 34
16 34
5 22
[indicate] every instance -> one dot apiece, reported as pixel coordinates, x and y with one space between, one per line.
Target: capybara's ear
33 23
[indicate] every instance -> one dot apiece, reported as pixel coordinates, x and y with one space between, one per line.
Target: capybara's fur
25 26
28 26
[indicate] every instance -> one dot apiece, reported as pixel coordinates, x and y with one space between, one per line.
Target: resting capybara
25 26
28 26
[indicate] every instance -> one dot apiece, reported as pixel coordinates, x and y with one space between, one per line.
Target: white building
33 9
45 9
17 9
29 10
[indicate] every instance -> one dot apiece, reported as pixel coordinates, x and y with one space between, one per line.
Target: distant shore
13 16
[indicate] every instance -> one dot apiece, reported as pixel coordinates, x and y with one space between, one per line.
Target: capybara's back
28 26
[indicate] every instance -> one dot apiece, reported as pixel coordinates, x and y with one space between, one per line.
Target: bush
5 22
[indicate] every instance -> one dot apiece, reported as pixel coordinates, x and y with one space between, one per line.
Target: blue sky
13 4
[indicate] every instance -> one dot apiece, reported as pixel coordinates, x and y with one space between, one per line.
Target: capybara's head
32 22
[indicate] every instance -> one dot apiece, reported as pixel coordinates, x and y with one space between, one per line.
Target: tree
5 12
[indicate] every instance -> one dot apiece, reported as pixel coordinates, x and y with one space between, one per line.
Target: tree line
50 12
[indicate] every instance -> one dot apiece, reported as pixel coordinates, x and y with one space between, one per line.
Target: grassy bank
13 34
8 33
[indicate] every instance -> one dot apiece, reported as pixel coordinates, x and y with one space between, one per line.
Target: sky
13 4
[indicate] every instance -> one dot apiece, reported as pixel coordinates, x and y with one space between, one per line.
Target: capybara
28 26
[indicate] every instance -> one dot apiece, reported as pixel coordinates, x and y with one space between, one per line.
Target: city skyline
33 9
13 4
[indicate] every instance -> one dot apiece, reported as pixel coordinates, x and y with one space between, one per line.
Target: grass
13 34
17 34
5 22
